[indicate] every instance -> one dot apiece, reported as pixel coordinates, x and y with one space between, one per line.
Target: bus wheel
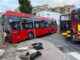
73 38
52 31
30 36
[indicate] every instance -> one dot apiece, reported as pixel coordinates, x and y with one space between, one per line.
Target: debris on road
30 52
37 46
2 52
30 55
48 53
22 49
35 55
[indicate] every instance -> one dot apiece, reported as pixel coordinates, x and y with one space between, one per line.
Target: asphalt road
70 50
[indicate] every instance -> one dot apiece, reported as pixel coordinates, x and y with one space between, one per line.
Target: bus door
65 25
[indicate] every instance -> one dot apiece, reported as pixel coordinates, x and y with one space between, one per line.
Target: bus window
42 25
5 24
30 26
46 24
36 25
25 26
55 24
15 26
51 24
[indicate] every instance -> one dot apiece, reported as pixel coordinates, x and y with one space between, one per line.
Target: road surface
71 50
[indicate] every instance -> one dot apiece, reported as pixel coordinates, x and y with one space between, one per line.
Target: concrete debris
22 49
2 51
32 51
23 57
18 58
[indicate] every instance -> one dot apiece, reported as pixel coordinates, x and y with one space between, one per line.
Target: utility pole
32 17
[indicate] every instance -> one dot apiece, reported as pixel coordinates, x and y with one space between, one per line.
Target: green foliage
25 6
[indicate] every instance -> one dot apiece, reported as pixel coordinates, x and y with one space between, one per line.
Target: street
71 50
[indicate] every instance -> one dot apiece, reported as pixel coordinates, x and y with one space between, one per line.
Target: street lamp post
32 17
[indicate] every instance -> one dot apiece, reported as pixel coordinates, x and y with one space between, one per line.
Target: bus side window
25 26
55 24
15 26
42 25
6 26
30 26
51 24
46 25
37 25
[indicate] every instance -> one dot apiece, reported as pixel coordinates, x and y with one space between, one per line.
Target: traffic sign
32 17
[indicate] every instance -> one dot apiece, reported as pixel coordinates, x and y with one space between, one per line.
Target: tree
25 6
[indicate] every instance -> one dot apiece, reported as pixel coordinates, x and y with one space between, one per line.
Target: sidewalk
48 53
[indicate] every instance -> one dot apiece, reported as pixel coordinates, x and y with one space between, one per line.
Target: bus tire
30 35
73 38
52 31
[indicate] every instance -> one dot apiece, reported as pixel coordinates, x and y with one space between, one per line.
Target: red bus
19 26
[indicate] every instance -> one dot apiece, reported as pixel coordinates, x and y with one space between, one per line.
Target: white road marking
75 54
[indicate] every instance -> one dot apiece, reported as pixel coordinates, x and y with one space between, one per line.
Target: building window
62 10
68 10
42 7
35 8
53 9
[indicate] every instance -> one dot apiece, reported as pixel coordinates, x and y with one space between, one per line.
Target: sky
12 4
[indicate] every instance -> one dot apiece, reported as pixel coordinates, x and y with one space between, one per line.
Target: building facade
49 14
63 10
39 8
